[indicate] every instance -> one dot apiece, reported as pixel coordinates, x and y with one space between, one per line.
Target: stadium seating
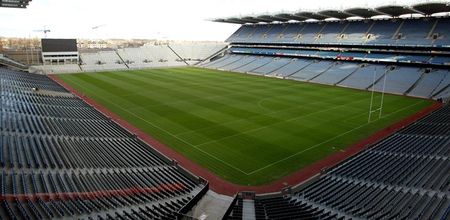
301 51
101 61
61 158
258 63
442 33
292 67
411 81
352 55
150 56
382 32
290 31
440 60
242 33
398 80
329 52
274 65
400 32
404 176
310 33
240 62
66 68
273 34
313 70
193 52
337 74
331 32
6 61
364 77
223 61
355 32
429 83
415 31
444 94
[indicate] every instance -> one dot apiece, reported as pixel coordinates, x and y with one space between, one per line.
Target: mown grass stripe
245 128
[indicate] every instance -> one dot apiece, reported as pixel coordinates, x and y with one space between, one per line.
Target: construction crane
98 26
45 31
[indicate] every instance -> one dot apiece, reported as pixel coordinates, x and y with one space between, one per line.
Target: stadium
325 114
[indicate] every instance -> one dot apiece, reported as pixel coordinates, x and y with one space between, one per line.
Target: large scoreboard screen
59 45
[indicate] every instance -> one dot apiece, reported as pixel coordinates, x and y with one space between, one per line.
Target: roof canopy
14 3
426 9
336 14
311 15
432 7
397 10
364 12
289 17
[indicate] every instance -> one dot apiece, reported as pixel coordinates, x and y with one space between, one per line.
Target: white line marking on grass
347 120
269 165
266 114
262 107
161 129
213 97
317 145
307 149
187 83
281 121
355 116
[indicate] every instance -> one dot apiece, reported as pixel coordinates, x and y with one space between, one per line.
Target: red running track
222 186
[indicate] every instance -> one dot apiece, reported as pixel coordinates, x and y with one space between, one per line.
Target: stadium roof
14 3
425 9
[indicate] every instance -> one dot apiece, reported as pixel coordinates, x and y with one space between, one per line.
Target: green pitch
247 129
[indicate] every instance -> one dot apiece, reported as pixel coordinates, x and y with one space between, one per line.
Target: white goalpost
372 108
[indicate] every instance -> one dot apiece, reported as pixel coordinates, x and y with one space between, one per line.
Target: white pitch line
266 114
307 149
347 120
317 145
262 107
207 97
282 121
269 165
169 133
213 97
187 83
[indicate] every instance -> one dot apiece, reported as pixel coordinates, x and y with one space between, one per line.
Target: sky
152 19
